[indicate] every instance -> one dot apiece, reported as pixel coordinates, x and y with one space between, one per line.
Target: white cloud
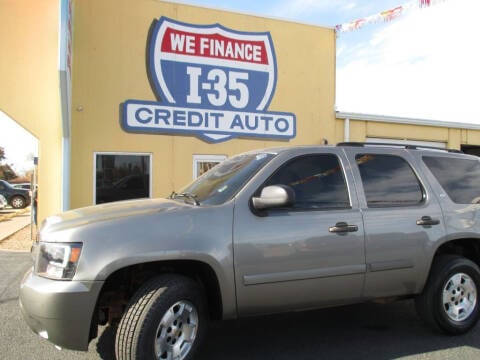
424 65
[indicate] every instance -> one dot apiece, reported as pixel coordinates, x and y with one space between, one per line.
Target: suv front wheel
164 320
449 301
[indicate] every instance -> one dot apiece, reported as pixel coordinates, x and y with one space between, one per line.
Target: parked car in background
3 202
16 198
26 186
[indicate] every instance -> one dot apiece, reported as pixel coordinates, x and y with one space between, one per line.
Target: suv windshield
223 181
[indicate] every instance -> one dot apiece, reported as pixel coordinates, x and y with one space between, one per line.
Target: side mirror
274 196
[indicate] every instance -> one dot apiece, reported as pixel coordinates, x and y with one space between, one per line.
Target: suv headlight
57 260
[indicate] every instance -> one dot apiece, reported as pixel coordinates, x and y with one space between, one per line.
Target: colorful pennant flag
387 15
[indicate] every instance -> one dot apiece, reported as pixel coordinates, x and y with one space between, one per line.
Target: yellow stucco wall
471 137
109 67
29 91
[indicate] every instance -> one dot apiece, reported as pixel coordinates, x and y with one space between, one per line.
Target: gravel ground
20 241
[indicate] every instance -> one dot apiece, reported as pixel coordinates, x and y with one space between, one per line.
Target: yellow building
29 93
391 129
148 94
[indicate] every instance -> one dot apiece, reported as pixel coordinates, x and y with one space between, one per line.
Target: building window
389 181
120 176
203 163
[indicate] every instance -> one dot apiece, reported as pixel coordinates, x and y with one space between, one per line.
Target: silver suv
266 231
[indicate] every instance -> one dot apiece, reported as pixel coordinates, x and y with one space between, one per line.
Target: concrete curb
12 215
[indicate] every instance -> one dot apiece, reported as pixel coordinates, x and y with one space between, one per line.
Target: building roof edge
404 120
246 13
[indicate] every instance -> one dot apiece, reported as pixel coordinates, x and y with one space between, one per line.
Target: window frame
205 158
121 153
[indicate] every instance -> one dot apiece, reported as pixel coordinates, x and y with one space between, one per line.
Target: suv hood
108 211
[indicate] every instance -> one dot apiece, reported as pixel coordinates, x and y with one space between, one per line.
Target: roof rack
405 146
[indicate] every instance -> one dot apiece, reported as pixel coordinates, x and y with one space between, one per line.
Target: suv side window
388 181
460 178
317 180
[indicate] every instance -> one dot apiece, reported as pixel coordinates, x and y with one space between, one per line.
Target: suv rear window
460 178
388 181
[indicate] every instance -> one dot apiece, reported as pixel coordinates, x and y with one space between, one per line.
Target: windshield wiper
186 195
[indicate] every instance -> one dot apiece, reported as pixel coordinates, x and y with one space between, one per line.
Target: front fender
202 234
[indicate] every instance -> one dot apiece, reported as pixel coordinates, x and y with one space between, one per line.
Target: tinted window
317 181
122 177
388 180
460 178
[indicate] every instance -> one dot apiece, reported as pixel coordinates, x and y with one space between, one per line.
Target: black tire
146 316
457 310
18 202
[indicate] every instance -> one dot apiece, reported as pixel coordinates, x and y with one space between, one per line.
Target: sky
19 145
423 64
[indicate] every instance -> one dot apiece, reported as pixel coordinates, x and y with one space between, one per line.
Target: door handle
342 227
427 221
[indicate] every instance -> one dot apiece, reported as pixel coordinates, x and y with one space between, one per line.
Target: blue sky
424 64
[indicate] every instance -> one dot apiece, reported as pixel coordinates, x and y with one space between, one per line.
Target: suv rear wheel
449 301
164 320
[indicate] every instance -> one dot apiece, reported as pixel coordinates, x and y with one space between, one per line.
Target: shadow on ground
366 331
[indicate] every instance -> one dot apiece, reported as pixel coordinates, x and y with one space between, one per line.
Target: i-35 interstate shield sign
213 82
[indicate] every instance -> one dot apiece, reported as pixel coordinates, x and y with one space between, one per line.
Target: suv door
402 219
309 254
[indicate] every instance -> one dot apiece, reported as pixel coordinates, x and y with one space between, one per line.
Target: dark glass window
317 181
460 178
388 180
122 177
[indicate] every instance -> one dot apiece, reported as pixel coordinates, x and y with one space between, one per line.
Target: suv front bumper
60 311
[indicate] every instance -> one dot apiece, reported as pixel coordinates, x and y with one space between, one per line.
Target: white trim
150 173
346 130
66 153
405 120
205 158
65 58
